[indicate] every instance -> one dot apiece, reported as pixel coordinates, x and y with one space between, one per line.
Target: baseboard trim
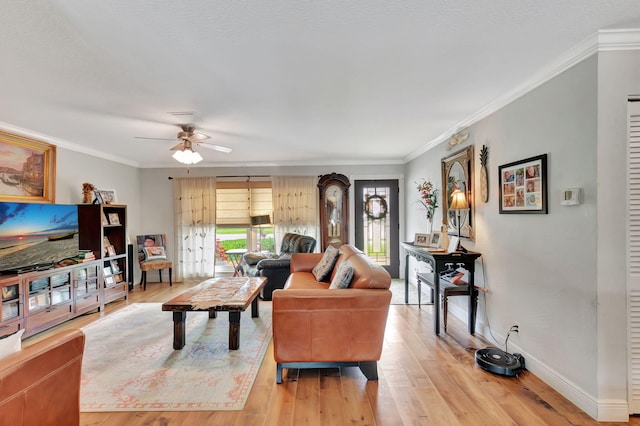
604 410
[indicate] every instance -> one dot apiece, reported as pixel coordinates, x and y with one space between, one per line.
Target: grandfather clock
334 210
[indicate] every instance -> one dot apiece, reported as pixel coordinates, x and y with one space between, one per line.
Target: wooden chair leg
160 274
170 273
445 311
144 280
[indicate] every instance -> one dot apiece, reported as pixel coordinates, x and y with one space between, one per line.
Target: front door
377 225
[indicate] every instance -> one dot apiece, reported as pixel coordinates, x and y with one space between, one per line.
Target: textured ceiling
279 82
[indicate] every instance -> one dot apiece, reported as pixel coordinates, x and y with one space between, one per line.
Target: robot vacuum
499 362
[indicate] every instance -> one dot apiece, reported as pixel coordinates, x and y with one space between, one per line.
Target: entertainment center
42 298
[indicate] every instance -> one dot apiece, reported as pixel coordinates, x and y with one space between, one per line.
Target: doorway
377 224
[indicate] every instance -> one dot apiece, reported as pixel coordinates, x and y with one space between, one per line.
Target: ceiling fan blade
197 136
216 147
155 139
177 147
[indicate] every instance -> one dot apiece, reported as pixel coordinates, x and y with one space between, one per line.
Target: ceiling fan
187 138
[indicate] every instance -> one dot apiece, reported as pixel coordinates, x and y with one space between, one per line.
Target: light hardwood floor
424 380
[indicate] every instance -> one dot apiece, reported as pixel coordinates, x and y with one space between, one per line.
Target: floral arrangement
428 197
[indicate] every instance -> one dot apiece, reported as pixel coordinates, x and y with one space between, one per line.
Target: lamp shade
263 219
458 201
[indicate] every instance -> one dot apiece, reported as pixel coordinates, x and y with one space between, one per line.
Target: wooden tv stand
38 300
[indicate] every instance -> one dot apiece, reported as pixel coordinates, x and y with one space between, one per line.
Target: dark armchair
277 268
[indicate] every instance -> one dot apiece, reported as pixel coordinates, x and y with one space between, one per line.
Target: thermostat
570 197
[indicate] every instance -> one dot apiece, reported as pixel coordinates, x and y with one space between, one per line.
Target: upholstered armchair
276 267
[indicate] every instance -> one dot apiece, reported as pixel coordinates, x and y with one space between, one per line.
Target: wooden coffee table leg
179 330
234 330
255 311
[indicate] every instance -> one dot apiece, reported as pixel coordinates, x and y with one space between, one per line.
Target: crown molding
602 41
64 144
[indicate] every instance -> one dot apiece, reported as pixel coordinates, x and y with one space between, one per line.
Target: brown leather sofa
40 385
318 327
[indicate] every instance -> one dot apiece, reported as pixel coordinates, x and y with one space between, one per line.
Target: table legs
234 330
179 331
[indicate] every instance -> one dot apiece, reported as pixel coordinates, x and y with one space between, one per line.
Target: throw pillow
154 253
11 343
322 271
343 277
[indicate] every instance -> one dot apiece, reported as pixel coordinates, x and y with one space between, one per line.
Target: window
236 202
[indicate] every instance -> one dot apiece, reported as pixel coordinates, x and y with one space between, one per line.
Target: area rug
130 365
397 293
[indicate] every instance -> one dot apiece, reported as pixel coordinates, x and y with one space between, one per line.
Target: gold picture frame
27 169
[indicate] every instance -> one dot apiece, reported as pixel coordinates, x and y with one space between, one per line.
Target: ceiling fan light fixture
187 156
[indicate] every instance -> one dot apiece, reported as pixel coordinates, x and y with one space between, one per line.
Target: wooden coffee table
216 294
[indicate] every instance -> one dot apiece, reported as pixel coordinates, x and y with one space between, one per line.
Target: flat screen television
35 236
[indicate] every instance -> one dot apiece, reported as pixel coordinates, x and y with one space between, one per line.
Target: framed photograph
453 244
115 267
107 270
434 240
118 278
149 240
523 186
109 279
108 196
97 197
27 169
105 221
421 240
111 251
154 253
114 219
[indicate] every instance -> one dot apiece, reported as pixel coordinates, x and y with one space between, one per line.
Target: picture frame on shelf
108 196
97 197
115 267
111 251
453 244
21 154
421 240
434 240
523 186
114 219
105 221
109 279
118 278
107 270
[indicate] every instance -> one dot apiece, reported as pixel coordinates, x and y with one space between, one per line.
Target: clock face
484 184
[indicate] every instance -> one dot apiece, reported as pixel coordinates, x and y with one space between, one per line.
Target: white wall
156 196
540 269
561 276
74 168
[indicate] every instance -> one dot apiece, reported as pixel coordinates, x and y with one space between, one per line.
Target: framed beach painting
27 169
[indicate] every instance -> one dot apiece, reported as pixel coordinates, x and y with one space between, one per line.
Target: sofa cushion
322 271
154 253
11 343
342 278
304 280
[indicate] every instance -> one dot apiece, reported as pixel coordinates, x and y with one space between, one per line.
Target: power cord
486 317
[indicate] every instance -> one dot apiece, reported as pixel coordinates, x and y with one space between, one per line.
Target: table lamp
459 203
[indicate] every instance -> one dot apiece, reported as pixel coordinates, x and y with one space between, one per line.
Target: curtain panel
195 215
295 206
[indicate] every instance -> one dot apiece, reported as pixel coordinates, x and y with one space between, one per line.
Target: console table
438 261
